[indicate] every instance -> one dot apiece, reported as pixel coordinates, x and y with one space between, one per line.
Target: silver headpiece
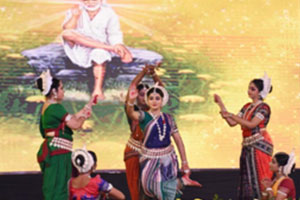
164 91
82 160
267 86
47 81
287 169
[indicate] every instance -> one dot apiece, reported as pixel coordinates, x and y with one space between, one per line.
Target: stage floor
221 182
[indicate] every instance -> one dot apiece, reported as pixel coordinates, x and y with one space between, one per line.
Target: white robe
105 27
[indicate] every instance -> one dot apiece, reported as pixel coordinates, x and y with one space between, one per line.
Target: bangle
264 194
130 104
269 189
87 106
231 115
184 162
154 74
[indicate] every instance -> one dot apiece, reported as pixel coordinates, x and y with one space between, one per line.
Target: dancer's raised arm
154 76
223 110
133 93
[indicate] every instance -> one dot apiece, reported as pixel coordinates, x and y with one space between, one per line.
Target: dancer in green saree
54 155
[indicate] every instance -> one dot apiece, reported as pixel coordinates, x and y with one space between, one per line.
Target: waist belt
252 139
157 153
61 143
134 144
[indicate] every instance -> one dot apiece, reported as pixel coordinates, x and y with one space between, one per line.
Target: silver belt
252 139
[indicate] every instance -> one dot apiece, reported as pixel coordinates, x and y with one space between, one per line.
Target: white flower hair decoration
82 160
287 169
266 86
47 81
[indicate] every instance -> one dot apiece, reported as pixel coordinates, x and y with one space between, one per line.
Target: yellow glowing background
240 39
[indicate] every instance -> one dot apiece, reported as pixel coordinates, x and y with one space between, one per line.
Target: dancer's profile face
274 167
253 92
60 92
141 97
154 101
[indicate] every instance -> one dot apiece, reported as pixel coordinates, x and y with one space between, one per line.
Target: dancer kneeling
84 187
282 187
158 160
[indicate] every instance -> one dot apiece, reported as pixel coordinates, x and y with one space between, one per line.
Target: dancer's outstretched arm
77 120
249 124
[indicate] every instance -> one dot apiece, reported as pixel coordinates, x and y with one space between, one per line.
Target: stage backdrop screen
206 47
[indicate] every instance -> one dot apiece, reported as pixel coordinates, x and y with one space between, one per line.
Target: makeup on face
252 88
154 100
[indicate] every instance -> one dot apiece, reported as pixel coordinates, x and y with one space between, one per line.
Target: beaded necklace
161 135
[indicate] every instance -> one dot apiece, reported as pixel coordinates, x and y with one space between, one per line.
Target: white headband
266 86
47 81
165 99
82 160
287 169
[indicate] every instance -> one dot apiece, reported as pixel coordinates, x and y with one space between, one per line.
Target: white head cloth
46 81
287 169
164 91
267 86
82 160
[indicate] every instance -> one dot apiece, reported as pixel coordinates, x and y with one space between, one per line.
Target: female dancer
54 155
85 187
257 145
133 147
158 159
282 187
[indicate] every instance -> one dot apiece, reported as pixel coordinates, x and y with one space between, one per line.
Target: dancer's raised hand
217 99
187 181
133 93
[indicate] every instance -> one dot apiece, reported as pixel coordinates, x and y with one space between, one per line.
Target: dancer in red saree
257 147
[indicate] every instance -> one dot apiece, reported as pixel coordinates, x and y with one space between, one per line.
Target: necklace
50 101
161 135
